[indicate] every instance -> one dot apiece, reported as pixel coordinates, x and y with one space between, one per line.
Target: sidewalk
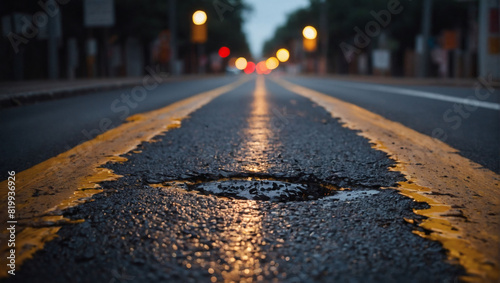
28 92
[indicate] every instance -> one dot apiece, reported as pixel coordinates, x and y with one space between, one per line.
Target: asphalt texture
475 133
138 231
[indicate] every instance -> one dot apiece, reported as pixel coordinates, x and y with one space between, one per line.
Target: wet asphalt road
37 132
137 231
474 132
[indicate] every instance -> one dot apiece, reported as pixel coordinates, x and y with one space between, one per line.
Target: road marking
258 133
60 182
423 94
464 198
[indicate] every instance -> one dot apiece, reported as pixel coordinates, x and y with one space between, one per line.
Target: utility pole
172 8
426 33
488 57
323 66
52 56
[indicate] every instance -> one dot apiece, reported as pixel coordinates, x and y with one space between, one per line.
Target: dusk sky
266 16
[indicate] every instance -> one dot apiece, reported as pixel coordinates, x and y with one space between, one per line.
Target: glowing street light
310 32
310 38
272 63
199 18
241 63
283 55
199 28
199 36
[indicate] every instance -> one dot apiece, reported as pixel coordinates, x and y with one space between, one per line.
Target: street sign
99 13
381 59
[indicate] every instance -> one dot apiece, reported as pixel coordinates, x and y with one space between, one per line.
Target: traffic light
199 27
224 52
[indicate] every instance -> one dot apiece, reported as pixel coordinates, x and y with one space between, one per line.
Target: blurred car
232 71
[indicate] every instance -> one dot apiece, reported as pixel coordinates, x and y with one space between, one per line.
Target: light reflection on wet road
258 134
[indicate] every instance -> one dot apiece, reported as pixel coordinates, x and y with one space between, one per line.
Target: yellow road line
62 181
464 198
258 132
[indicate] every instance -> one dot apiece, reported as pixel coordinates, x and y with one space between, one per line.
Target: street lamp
199 27
199 36
310 32
199 18
310 38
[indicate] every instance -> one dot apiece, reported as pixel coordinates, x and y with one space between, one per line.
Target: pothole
268 190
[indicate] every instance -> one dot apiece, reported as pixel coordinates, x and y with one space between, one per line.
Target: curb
32 97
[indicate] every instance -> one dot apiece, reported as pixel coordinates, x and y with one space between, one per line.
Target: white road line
424 94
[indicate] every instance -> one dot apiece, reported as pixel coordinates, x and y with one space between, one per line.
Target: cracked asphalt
144 228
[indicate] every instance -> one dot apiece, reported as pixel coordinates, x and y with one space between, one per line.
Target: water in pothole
269 190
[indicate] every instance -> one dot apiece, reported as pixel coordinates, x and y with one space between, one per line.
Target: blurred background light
199 17
241 63
261 68
250 68
283 55
310 32
272 63
224 52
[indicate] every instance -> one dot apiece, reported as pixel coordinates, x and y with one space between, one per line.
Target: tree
344 16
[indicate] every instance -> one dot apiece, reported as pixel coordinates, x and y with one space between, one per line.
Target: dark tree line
344 16
143 20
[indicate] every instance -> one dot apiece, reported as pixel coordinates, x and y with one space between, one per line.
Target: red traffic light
224 52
